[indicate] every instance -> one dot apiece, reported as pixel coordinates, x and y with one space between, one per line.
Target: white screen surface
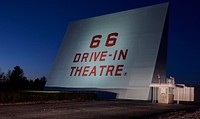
117 50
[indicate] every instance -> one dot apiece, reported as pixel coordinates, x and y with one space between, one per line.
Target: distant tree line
15 80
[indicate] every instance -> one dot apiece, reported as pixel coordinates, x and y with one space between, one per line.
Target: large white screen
117 50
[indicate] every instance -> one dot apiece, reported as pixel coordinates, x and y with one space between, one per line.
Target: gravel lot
185 114
110 109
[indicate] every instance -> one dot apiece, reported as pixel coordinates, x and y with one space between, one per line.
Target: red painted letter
72 70
102 68
118 70
93 71
111 40
95 41
85 70
85 56
103 55
110 69
77 57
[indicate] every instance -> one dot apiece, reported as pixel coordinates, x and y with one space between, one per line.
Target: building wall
184 93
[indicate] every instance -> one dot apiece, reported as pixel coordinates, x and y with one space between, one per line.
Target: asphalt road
110 109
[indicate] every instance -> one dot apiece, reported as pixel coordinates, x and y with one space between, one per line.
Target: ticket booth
163 93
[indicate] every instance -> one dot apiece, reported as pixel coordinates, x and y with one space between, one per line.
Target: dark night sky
31 32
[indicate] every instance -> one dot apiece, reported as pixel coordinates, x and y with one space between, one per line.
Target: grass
42 96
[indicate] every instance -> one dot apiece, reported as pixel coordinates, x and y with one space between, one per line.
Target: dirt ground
99 109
